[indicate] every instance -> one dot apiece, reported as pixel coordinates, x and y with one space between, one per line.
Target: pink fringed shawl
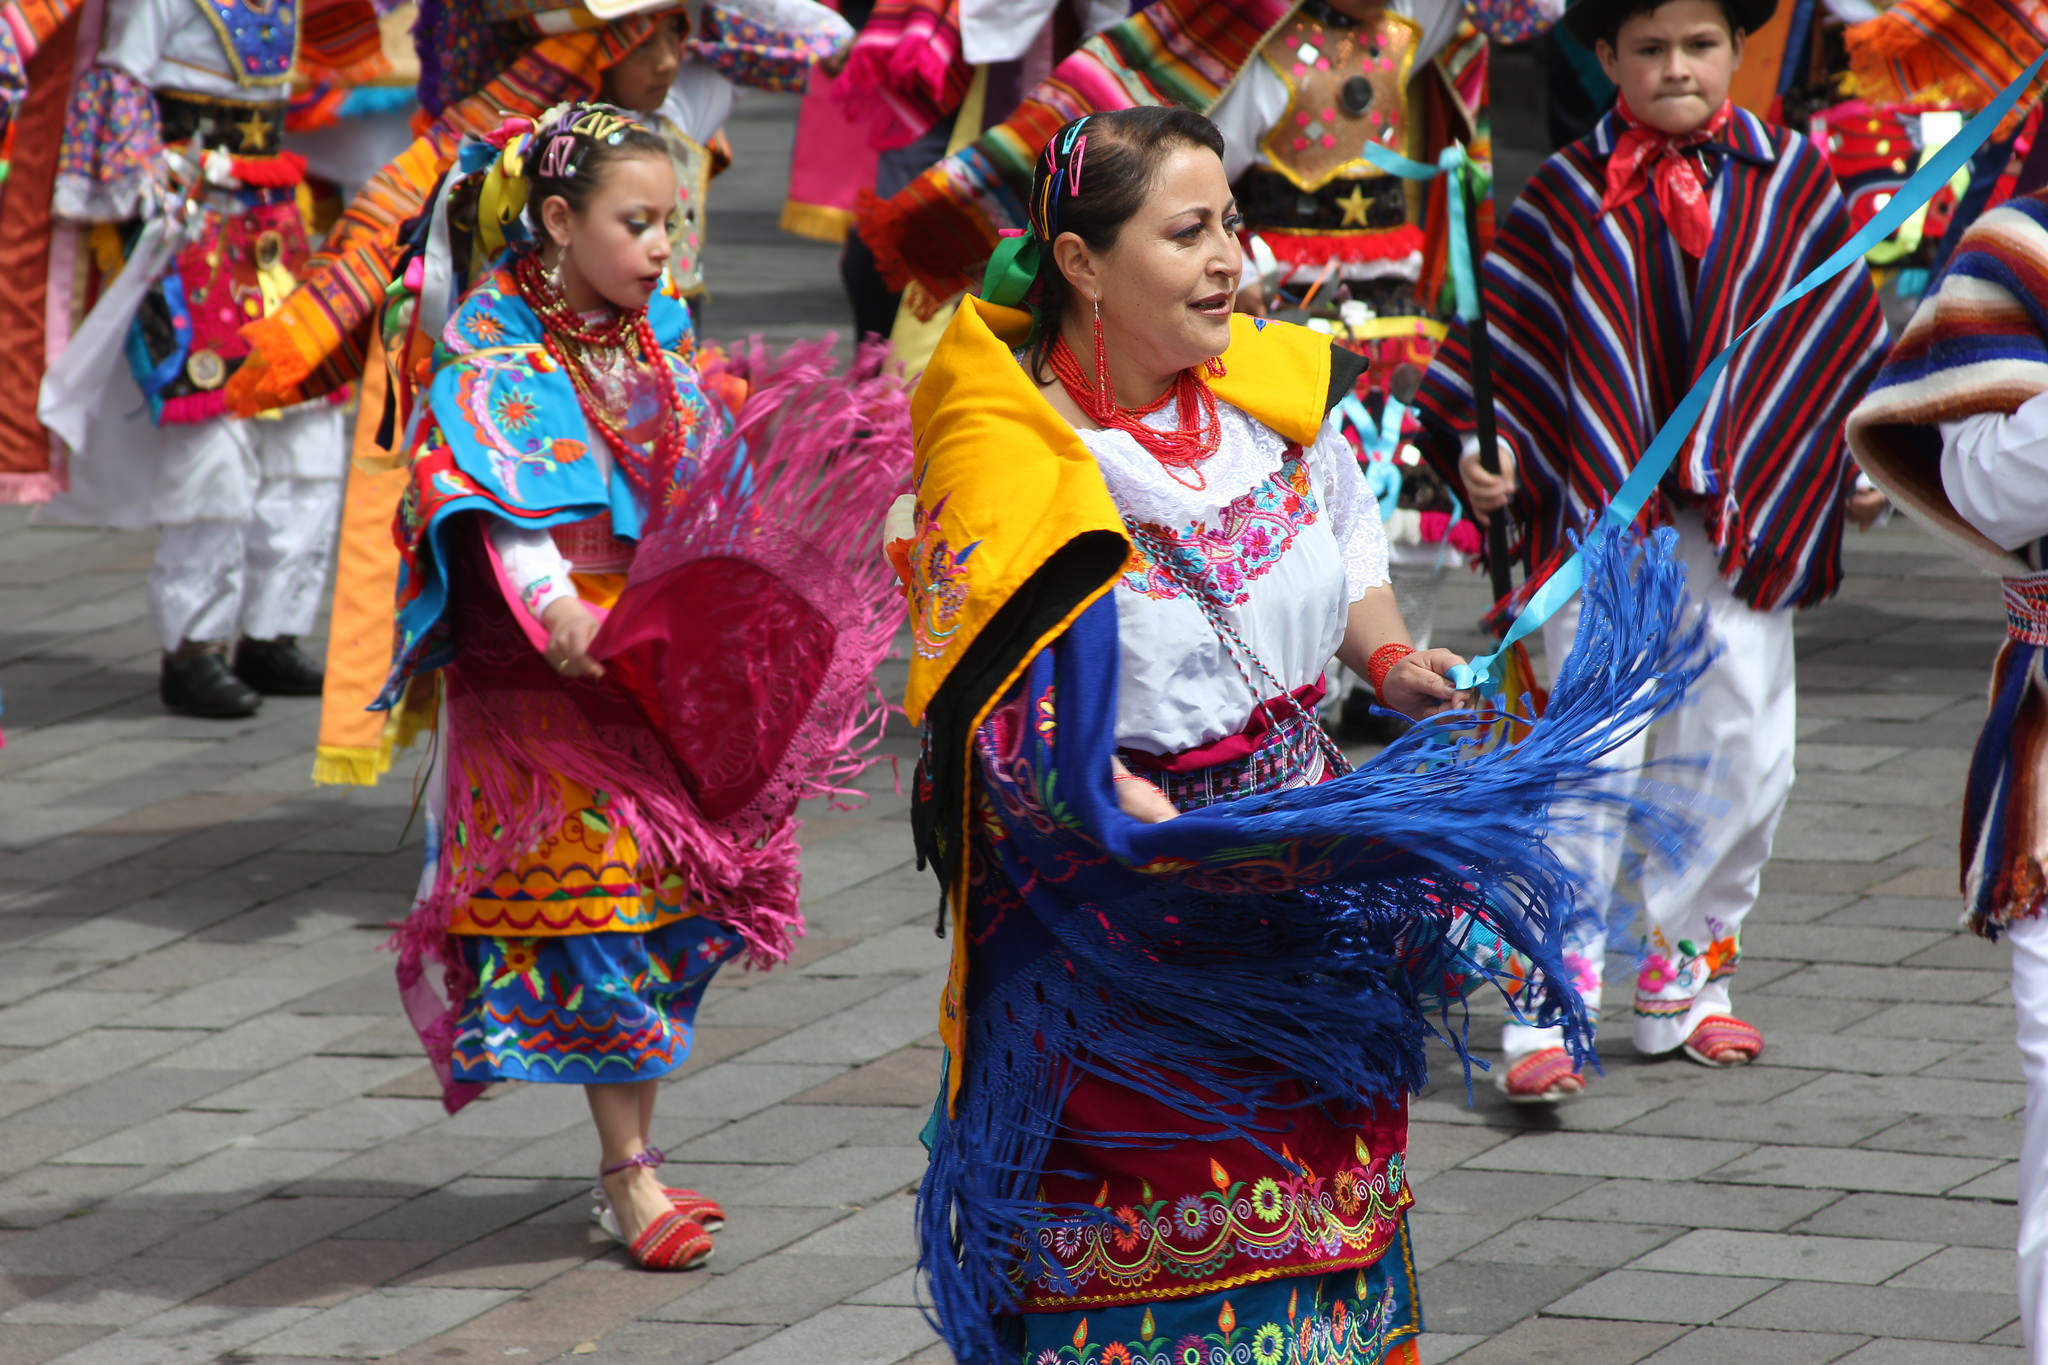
739 677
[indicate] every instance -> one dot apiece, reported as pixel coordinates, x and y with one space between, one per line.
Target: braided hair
1092 178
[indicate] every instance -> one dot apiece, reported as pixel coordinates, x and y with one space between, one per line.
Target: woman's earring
1101 358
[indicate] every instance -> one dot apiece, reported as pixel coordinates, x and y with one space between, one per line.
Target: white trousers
2029 939
261 577
1740 719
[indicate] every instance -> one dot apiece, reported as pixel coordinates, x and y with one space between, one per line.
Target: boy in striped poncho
1956 429
1631 259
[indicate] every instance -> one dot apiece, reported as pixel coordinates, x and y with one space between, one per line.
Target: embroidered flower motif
1126 1229
1249 538
1658 972
483 326
1269 1344
938 584
1116 1353
1190 1216
1345 1188
1189 1350
1267 1201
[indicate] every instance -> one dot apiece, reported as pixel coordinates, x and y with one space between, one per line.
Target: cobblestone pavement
217 1140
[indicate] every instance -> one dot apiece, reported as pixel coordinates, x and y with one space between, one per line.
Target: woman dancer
587 873
1182 1028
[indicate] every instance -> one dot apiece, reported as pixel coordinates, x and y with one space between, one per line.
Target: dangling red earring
1102 360
1214 365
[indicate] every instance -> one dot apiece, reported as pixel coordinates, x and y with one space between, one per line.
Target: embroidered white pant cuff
263 577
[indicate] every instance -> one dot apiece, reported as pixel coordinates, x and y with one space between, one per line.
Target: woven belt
239 127
2026 609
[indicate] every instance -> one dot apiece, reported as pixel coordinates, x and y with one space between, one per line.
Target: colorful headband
1013 266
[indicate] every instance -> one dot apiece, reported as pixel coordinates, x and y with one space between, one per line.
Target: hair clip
555 162
1074 168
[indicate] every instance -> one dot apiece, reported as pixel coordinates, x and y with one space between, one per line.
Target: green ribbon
1012 270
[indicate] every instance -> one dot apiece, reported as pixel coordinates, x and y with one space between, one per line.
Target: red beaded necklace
567 335
1199 429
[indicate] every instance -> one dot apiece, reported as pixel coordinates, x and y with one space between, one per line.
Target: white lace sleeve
1354 514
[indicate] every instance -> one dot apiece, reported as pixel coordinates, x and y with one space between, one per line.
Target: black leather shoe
200 684
276 668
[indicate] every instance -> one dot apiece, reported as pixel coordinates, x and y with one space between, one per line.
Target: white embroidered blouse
1279 542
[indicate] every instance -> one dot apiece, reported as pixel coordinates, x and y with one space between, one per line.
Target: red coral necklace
1195 436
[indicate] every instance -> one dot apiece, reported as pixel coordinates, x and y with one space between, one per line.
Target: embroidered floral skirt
577 1009
1343 1317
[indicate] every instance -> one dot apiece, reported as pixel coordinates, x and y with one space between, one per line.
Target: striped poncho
1600 326
1979 344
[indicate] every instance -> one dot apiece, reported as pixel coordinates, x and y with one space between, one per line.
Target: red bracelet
1382 663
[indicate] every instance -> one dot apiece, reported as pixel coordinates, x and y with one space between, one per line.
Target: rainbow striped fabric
1965 51
1599 330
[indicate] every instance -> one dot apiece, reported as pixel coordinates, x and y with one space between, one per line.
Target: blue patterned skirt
1341 1317
577 1009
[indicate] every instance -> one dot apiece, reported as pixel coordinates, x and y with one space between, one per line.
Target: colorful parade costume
1600 324
598 847
1953 431
1159 1132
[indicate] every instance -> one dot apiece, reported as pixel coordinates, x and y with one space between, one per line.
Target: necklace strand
1194 438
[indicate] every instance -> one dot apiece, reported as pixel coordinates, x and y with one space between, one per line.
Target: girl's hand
571 627
1139 799
1865 506
1417 687
1488 493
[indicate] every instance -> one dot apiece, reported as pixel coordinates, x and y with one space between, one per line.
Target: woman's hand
1488 493
571 627
1865 506
1417 687
1140 799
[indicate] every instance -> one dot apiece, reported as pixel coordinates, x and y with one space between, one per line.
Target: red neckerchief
1643 156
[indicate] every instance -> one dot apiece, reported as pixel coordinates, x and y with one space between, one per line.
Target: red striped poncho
1600 326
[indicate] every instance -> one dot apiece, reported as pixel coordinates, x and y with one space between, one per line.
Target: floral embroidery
1256 530
1329 1329
1193 1236
938 584
1673 974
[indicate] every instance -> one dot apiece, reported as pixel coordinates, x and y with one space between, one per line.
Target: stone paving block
469 1208
1871 947
580 1304
97 1054
1913 1352
1499 1193
905 1289
26 1345
1970 1269
1783 1256
129 1291
1439 1237
310 1083
381 1322
1608 1154
1560 1241
733 1090
1889 983
388 1037
45 1194
789 1133
1436 1147
272 1041
1838 1168
1654 1296
517 1257
24 1146
1880 1311
884 1229
1945 1136
370 994
2002 1184
355 1124
864 1032
841 1176
1740 1346
653 1343
1856 1054
405 1166
325 1273
908 1077
846 1335
910 949
1807 1014
1469 1297
751 1232
1954 1222
1784 1121
1961 1023
1999 1061
173 1139
222 1003
273 1228
179 967
229 1178
519 1111
783 1288
56 1015
1569 1341
135 1096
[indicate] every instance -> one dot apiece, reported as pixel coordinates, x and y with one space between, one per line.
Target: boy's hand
571 627
1865 506
1488 492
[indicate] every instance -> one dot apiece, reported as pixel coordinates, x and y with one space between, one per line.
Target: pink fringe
785 512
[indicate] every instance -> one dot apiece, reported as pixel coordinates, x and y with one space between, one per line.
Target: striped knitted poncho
1979 344
1601 325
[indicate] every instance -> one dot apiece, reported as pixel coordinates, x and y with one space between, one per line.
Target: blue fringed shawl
1277 946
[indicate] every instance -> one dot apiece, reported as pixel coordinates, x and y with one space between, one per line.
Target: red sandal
1539 1078
1721 1040
670 1242
707 1212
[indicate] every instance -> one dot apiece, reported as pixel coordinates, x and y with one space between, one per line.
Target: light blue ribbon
1635 490
1454 163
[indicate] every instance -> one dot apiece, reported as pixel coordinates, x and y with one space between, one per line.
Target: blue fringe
1294 943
